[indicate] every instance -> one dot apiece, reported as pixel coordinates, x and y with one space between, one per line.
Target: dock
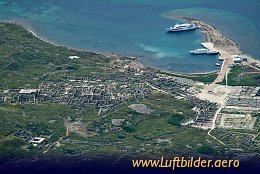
210 47
224 56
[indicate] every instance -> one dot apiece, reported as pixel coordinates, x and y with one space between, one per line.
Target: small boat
182 27
212 52
217 64
199 51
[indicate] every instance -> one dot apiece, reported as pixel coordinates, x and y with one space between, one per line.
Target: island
61 103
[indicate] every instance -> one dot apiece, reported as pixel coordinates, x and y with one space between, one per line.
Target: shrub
208 150
128 128
176 119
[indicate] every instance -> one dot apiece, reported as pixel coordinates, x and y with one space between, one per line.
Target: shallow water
137 27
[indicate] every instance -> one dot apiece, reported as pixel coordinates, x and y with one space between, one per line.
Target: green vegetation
25 60
166 105
175 119
243 76
205 78
256 114
208 78
208 150
43 119
128 128
11 147
139 129
237 140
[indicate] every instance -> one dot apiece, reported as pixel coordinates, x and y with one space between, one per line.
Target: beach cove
110 32
212 39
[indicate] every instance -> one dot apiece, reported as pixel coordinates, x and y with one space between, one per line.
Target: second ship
203 51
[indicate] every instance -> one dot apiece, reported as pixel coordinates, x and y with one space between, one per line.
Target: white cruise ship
182 27
199 51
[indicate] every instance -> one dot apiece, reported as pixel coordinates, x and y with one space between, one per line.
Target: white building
237 59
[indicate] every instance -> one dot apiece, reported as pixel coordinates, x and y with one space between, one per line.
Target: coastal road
224 69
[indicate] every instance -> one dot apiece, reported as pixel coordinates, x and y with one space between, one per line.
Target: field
243 76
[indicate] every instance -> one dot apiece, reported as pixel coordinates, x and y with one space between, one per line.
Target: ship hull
213 53
196 53
180 30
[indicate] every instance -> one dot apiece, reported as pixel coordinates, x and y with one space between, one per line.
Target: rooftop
28 91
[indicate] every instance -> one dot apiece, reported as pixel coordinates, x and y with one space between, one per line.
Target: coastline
44 39
135 58
221 41
35 34
213 35
168 96
214 40
206 29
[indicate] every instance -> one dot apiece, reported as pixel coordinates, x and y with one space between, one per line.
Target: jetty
224 56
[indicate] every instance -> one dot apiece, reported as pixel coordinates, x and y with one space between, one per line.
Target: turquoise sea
137 27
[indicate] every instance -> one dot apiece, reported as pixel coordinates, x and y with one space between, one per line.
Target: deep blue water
137 27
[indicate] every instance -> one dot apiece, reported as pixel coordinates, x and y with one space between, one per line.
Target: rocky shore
217 41
213 35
